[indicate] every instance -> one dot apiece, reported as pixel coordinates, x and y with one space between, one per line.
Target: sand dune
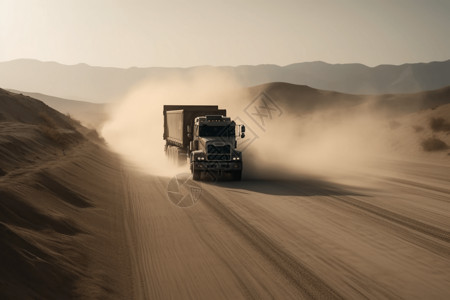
91 115
57 241
304 99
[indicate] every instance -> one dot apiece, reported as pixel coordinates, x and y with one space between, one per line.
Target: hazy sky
125 33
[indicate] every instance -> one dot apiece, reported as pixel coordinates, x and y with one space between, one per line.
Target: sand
91 115
60 228
78 221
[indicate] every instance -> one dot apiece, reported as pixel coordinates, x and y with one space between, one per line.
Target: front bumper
218 165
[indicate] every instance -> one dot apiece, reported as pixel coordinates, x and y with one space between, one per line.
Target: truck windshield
205 130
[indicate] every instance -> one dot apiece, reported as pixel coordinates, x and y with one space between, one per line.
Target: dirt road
388 236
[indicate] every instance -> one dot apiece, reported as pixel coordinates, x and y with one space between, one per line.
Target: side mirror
242 135
243 128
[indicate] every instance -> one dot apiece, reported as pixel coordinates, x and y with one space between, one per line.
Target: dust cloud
321 142
135 126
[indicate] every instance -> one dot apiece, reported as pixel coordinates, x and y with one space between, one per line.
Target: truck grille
219 152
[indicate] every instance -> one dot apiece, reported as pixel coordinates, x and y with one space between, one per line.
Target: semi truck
205 137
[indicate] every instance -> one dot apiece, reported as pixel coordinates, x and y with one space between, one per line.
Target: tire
236 175
196 175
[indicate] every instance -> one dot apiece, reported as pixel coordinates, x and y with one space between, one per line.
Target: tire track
204 235
139 291
404 225
300 276
393 217
419 185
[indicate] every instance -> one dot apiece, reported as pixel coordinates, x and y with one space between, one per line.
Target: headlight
200 158
236 158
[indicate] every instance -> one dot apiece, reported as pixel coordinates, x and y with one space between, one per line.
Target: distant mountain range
100 84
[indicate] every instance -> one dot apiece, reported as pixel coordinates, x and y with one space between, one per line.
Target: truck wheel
196 174
236 175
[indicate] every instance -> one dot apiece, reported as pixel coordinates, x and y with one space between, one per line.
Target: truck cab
213 147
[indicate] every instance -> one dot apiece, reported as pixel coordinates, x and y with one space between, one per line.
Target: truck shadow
295 187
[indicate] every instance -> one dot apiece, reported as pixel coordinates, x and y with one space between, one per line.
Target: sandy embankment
60 210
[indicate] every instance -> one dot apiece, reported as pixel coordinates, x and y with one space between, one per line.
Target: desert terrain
318 214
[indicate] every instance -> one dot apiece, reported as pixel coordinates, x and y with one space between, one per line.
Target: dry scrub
61 137
434 144
73 121
439 124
